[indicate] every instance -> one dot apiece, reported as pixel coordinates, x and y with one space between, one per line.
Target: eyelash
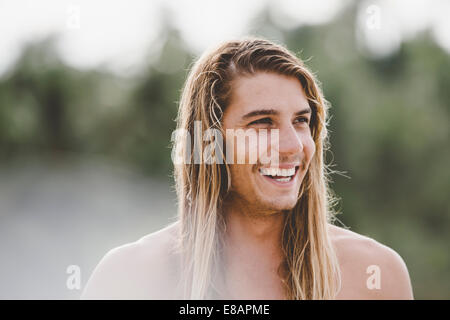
260 121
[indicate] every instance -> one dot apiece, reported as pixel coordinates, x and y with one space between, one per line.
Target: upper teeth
277 172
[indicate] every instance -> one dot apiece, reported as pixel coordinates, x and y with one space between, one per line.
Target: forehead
266 90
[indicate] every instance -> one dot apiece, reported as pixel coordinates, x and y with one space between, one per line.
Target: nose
290 142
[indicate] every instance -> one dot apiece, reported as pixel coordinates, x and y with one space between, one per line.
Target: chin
279 204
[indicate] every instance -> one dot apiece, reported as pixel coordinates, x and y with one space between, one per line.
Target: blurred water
55 214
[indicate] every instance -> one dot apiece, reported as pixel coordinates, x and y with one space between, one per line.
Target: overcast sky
119 33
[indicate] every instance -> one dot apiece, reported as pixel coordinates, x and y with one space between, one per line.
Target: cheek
310 148
240 177
244 149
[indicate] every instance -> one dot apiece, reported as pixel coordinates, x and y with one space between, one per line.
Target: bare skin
254 211
145 269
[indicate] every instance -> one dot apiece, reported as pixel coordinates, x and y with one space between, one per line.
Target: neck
249 230
253 252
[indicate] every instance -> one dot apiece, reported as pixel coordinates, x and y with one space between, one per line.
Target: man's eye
302 119
263 121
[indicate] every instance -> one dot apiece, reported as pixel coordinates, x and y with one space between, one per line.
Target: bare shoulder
144 269
369 269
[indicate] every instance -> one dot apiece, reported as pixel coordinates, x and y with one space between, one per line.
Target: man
257 229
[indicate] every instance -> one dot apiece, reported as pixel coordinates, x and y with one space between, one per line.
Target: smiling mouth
279 174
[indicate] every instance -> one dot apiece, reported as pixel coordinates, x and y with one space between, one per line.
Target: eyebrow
271 112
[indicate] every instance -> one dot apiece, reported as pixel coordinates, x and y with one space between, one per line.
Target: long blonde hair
310 268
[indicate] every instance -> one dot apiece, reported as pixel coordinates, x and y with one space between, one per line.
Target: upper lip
283 166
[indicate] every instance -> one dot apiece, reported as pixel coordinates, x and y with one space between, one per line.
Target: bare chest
260 283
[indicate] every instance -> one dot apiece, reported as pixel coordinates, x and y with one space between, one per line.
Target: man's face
270 101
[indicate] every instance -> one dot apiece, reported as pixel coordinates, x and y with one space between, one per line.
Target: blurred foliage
389 127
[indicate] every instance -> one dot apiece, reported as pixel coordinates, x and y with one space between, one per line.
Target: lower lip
282 184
